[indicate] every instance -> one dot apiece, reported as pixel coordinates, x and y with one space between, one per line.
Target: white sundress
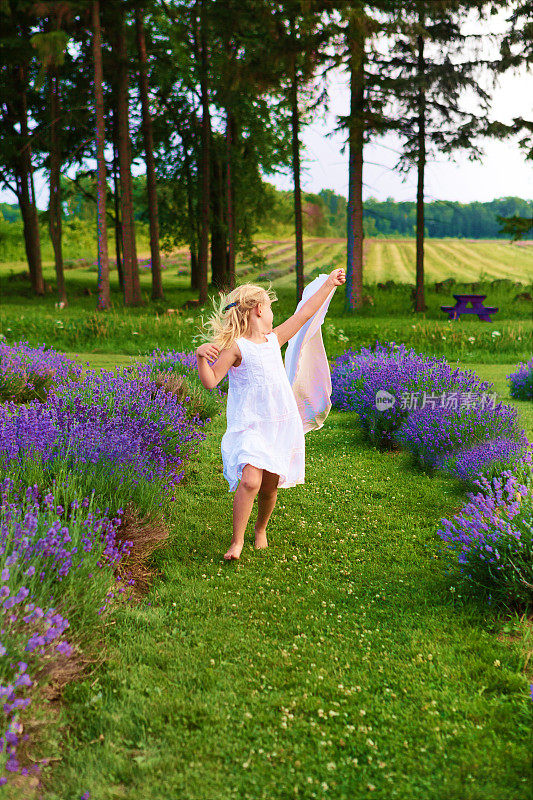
264 426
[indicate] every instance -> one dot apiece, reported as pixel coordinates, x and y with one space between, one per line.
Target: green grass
342 655
137 331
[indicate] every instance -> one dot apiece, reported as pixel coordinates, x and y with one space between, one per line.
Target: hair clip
230 305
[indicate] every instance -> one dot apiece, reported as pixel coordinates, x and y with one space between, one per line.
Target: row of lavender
451 421
74 450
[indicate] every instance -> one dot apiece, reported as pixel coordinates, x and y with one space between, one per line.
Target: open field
466 260
387 315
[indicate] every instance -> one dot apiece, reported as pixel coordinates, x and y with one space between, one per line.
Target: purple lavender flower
357 377
521 381
488 459
492 539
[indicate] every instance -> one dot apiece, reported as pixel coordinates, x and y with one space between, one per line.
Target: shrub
488 459
28 373
47 553
431 434
117 433
358 377
204 402
492 539
521 382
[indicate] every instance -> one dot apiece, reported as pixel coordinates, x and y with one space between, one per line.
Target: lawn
341 662
344 661
387 314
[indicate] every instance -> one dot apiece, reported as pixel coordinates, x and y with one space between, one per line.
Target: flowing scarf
306 363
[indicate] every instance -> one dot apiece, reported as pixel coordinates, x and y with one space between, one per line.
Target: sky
502 172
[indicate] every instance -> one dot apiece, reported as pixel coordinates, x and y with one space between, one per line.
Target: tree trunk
132 291
218 232
230 135
354 260
193 243
54 205
26 195
420 304
103 255
157 287
116 199
204 161
295 123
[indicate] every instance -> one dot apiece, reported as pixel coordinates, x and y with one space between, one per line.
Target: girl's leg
268 493
242 507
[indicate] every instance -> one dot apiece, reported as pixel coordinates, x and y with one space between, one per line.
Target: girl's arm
291 326
211 376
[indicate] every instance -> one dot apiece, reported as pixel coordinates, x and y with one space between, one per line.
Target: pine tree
428 80
157 288
17 102
103 256
516 50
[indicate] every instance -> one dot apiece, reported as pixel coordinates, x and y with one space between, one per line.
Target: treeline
323 214
212 96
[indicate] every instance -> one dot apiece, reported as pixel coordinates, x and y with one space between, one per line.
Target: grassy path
337 663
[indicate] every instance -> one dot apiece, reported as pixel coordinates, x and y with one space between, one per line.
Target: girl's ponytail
231 314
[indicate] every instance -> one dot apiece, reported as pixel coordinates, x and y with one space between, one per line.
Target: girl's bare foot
260 540
234 551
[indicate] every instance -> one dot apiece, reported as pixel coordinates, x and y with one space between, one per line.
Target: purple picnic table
478 308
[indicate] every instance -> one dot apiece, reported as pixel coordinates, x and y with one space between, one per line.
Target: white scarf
306 363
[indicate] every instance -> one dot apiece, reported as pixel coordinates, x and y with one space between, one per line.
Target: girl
264 442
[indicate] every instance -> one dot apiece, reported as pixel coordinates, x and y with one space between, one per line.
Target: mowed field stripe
492 266
398 270
439 265
374 269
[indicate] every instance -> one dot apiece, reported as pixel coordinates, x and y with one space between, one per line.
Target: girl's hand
336 277
208 350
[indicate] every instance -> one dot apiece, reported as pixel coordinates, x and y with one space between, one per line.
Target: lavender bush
357 377
521 381
492 540
120 435
28 373
431 434
46 553
172 360
487 459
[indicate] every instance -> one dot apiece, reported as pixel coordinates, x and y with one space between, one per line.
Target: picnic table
478 308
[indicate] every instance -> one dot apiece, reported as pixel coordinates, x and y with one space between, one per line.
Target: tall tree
354 35
516 52
294 54
357 32
103 256
205 149
17 99
132 291
50 45
157 287
429 75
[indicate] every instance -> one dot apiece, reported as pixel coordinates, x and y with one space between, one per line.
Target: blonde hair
223 327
